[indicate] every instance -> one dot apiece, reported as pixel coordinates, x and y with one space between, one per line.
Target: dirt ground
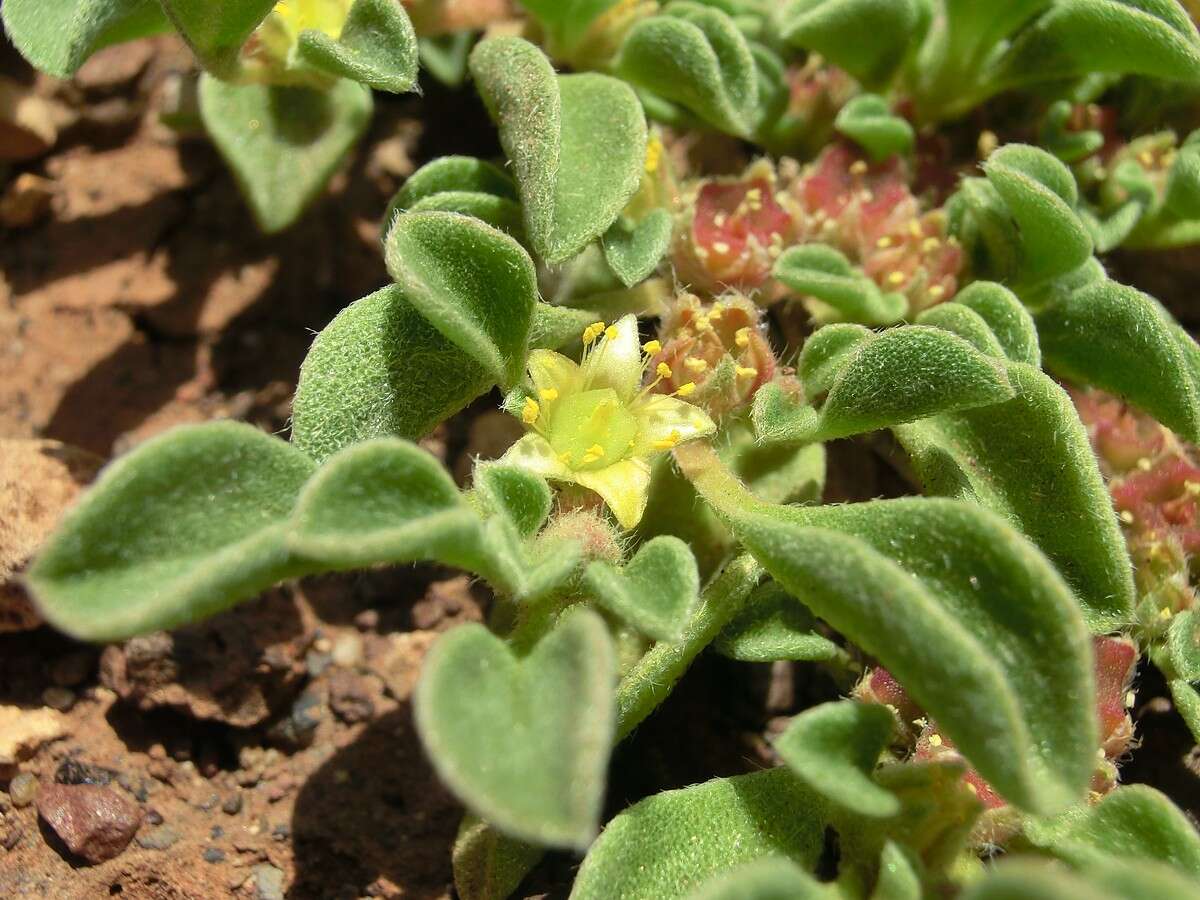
270 752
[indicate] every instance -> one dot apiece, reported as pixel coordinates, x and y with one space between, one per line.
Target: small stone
154 817
213 855
348 651
59 698
281 832
232 805
160 838
95 823
23 789
10 837
111 69
297 729
73 669
22 732
349 698
216 832
26 200
268 882
136 786
316 663
72 771
367 620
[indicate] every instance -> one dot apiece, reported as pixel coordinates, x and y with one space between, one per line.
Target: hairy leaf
524 743
217 29
820 271
377 47
655 592
1006 316
834 748
633 251
669 844
577 143
179 529
519 495
769 878
774 625
867 38
57 36
283 143
826 353
868 121
567 21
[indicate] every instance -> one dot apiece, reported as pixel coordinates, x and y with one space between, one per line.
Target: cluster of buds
1138 170
1154 481
817 91
718 348
733 230
919 738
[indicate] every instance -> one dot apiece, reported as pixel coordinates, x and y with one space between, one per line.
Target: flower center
592 430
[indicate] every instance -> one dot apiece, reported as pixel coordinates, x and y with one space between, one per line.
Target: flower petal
616 361
553 371
661 418
533 452
624 485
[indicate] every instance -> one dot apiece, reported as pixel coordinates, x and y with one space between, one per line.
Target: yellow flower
279 33
596 426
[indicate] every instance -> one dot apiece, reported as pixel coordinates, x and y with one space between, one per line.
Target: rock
232 805
446 604
213 855
161 838
347 651
38 481
239 667
94 822
29 124
23 731
26 200
59 698
11 836
401 663
350 699
296 730
72 771
268 882
23 790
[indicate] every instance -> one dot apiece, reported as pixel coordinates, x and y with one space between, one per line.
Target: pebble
348 651
349 698
22 732
316 663
94 822
72 771
23 789
11 837
268 881
367 620
59 698
232 805
160 838
213 855
26 200
298 728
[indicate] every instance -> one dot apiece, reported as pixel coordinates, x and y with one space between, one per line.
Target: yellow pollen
930 244
529 414
593 453
565 457
884 242
742 337
1164 613
896 277
654 151
936 291
716 312
1146 158
1192 488
1130 698
548 394
663 371
695 365
720 219
720 247
611 332
593 332
935 740
858 167
686 390
703 324
1144 464
914 228
668 442
971 787
746 372
651 347
1126 517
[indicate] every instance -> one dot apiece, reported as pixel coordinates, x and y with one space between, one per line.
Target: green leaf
898 878
835 747
867 38
1032 880
1081 37
476 285
769 878
566 22
1182 198
1134 822
524 743
695 56
669 844
655 592
453 173
377 47
444 56
488 865
519 495
1008 319
868 121
826 353
380 369
217 29
177 530
1029 460
577 143
57 36
283 144
820 271
1115 337
633 251
1187 703
774 625
967 324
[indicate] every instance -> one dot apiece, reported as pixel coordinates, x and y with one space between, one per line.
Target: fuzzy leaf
1083 37
488 865
1032 880
502 214
1133 823
868 121
178 529
1117 338
820 271
380 369
967 324
669 844
773 625
453 173
826 353
577 143
217 29
57 36
633 251
655 592
835 747
473 283
769 878
377 47
867 38
1008 319
967 615
898 879
567 21
1187 704
444 56
1029 460
515 493
283 143
524 743
694 55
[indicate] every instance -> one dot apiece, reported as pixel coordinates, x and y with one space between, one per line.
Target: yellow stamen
858 167
746 372
1126 517
593 453
548 394
695 365
935 740
668 442
652 347
654 151
914 228
531 411
716 312
663 371
593 332
884 242
742 337
936 291
930 244
686 390
703 323
896 277
611 332
720 247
